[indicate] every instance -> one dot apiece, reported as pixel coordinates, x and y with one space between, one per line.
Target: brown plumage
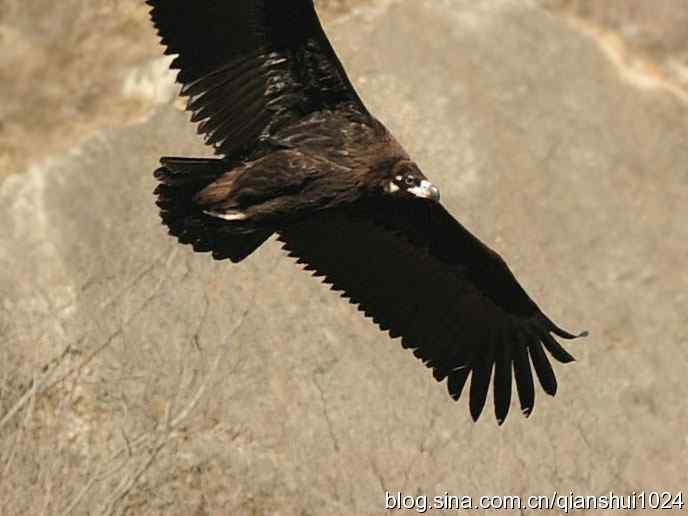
303 158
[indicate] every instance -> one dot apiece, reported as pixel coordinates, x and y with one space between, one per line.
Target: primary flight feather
302 157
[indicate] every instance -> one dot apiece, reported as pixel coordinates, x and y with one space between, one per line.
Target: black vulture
301 157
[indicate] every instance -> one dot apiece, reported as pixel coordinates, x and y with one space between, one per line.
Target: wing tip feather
560 332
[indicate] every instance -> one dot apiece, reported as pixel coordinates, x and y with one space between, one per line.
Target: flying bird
300 156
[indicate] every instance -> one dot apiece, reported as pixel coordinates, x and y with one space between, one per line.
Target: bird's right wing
420 275
250 66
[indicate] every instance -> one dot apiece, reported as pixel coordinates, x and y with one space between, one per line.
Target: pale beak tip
428 191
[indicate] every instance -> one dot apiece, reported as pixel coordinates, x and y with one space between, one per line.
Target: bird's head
408 181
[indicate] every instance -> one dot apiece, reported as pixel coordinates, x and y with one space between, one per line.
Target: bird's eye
410 180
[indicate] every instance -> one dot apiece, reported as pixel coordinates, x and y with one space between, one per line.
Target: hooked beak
426 190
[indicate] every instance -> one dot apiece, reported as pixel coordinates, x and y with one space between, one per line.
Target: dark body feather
302 157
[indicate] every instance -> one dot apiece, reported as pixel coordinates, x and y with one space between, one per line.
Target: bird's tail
180 180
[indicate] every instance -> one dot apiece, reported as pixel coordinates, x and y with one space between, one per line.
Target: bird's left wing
250 66
422 276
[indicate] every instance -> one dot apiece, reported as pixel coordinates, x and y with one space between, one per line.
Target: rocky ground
139 378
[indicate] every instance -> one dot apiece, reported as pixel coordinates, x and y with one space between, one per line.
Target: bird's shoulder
344 137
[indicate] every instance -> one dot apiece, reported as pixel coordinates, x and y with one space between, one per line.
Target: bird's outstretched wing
422 276
250 66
